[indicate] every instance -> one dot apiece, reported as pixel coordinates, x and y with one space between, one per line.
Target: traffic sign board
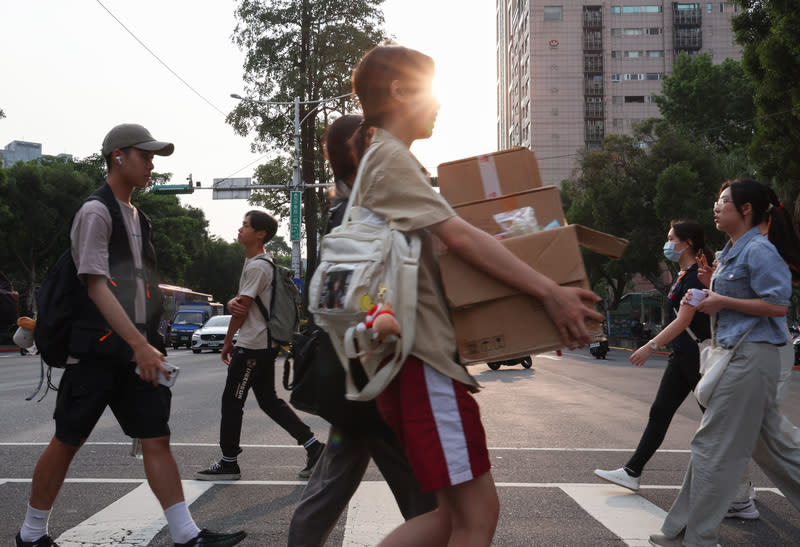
294 218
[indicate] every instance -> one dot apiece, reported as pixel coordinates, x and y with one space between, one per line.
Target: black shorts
87 388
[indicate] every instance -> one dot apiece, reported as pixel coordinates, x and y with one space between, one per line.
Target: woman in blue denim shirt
750 291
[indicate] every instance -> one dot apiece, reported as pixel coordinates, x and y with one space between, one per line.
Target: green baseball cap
134 135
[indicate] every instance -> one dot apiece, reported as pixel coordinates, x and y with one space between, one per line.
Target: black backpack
55 302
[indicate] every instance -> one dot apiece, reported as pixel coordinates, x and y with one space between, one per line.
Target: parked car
212 334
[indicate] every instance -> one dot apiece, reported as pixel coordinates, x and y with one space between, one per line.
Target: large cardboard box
494 321
545 201
489 175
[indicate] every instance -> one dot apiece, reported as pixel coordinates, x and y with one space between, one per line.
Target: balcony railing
593 89
687 40
593 63
683 18
593 110
592 19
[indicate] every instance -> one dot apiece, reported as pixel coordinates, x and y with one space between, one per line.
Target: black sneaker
220 471
44 541
314 452
214 539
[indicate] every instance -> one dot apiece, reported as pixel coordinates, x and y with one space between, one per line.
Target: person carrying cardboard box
429 403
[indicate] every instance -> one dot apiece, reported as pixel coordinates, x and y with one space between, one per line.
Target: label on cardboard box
495 174
488 170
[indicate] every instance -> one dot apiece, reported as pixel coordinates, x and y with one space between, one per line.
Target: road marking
294 446
134 519
371 515
628 515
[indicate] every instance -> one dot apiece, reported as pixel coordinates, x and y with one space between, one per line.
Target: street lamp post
296 188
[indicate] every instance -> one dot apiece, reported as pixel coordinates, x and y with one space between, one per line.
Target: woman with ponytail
429 404
685 242
747 303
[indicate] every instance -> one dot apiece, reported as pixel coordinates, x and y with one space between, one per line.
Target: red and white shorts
438 423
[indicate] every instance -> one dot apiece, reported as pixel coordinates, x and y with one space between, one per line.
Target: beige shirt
89 237
395 186
256 280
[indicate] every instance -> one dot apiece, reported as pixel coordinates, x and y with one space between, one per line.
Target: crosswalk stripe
133 520
371 515
629 516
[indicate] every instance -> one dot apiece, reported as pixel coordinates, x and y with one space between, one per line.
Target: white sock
35 525
181 524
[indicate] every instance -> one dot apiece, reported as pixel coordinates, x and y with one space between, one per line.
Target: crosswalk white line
628 515
371 515
133 520
293 446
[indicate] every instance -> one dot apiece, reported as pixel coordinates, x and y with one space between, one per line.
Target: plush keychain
380 318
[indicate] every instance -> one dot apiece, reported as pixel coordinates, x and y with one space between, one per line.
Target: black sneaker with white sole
220 471
214 539
44 541
314 453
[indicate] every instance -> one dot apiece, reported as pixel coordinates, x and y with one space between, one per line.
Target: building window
710 8
615 78
641 9
634 54
616 10
633 32
655 76
655 31
634 99
651 98
553 13
656 53
618 123
616 54
617 99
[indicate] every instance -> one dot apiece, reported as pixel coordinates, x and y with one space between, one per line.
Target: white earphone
119 160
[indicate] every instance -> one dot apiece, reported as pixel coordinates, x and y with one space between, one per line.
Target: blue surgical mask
670 253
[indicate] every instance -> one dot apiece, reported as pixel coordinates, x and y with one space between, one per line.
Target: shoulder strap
688 329
258 300
357 183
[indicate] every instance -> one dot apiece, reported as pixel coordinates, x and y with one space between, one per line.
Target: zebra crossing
135 519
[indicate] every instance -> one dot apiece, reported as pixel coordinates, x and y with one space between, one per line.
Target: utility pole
297 186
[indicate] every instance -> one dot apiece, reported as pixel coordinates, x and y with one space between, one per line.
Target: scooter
599 349
526 362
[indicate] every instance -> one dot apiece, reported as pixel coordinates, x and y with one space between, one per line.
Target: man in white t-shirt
113 334
251 364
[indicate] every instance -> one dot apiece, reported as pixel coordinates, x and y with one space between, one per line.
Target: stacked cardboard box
492 320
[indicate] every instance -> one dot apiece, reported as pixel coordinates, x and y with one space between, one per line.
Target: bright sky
70 72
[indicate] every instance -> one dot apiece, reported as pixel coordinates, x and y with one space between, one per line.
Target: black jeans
254 369
680 377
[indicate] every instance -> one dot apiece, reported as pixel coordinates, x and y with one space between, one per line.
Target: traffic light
172 189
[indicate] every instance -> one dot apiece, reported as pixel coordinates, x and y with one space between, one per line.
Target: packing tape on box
491 182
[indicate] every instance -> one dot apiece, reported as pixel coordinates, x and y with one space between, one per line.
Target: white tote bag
714 360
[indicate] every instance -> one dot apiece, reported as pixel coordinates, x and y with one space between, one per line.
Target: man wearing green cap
116 351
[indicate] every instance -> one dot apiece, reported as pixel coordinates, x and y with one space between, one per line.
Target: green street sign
294 219
172 189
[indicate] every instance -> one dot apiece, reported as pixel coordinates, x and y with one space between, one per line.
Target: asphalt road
548 428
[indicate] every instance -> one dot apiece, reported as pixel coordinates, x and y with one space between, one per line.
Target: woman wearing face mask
748 300
684 241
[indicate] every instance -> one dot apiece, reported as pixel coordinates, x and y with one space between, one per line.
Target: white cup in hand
696 296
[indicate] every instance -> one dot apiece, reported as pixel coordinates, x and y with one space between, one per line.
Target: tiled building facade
571 71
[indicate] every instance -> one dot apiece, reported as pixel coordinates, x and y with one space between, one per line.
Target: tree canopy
715 102
305 49
768 32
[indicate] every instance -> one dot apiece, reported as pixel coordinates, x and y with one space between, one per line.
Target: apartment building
571 71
